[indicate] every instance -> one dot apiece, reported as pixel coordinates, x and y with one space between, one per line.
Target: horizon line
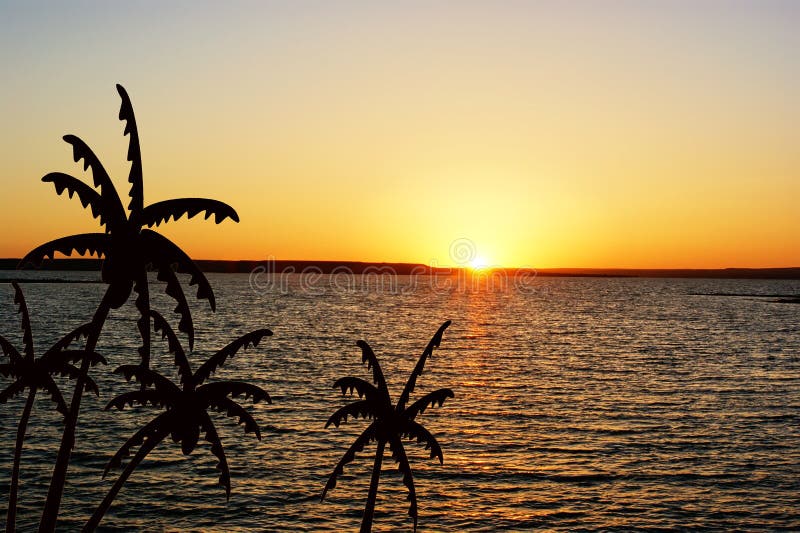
16 260
10 263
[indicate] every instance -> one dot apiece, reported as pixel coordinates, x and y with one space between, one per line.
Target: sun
478 263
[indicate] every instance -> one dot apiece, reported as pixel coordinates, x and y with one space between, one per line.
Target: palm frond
64 369
7 369
367 436
71 372
180 360
414 430
368 356
432 399
363 388
52 360
412 379
174 290
159 212
362 408
81 331
142 303
232 409
160 250
27 336
9 350
13 390
92 243
75 187
141 397
219 358
134 153
403 466
90 385
216 448
148 377
160 325
50 386
112 205
156 428
234 389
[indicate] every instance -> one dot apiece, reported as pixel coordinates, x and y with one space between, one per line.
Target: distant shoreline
358 267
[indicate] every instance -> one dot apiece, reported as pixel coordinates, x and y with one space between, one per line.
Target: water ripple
587 404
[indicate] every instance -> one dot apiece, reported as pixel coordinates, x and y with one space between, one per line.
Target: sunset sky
551 134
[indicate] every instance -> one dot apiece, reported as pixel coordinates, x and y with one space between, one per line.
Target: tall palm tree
35 374
390 424
128 247
186 406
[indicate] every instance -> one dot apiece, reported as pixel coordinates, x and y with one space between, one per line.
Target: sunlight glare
479 263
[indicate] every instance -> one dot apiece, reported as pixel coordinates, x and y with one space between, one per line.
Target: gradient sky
551 134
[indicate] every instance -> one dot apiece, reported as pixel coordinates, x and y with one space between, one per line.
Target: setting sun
479 263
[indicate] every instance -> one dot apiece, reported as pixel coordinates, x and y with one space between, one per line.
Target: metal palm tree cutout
128 246
186 406
35 374
391 424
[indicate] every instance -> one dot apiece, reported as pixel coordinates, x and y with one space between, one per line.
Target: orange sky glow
603 134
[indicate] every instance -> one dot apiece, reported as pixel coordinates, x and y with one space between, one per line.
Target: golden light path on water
580 403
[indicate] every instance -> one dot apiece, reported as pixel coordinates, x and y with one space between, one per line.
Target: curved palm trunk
146 447
56 490
11 517
369 510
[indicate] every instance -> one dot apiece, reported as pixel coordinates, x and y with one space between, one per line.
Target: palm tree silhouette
390 424
35 374
128 247
186 406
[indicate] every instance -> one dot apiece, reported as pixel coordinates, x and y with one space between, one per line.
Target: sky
545 134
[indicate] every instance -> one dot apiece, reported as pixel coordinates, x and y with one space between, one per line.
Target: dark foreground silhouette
187 406
34 374
128 248
390 424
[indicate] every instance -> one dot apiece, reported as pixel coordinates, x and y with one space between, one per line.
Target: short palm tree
186 406
128 247
35 374
390 424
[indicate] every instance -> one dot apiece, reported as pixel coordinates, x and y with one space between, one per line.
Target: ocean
581 404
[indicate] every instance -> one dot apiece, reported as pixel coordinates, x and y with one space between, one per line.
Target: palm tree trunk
11 517
369 510
146 447
53 502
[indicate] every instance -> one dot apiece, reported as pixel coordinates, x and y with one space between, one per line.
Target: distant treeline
358 267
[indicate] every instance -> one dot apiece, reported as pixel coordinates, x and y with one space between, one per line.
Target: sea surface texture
581 404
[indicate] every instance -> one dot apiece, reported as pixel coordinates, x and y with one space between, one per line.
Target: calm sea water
581 404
